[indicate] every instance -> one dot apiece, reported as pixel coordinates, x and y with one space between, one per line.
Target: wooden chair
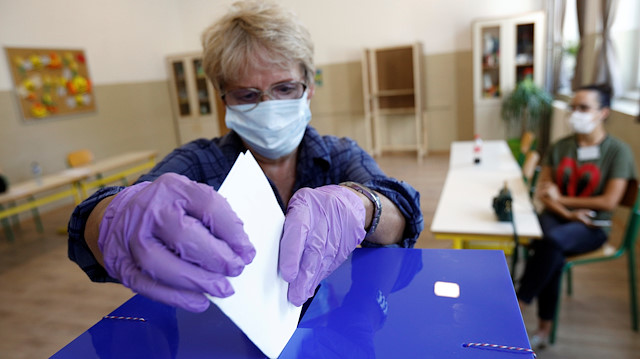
526 145
84 157
79 158
607 252
531 170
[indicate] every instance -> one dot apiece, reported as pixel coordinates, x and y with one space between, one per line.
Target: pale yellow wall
627 129
138 115
464 83
338 107
128 117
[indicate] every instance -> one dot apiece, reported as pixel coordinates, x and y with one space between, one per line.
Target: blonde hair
255 32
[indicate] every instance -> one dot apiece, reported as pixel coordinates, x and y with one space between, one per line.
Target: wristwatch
373 197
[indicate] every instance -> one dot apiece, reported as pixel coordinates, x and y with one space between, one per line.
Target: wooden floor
46 301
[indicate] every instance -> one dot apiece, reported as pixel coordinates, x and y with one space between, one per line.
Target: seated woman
583 178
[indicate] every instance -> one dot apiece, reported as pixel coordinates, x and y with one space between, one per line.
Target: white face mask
274 128
582 122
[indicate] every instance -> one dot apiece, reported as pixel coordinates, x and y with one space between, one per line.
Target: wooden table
465 213
48 188
73 182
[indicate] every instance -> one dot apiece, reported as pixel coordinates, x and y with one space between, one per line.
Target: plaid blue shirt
322 160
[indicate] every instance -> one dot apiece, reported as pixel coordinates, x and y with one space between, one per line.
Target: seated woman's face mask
582 122
274 128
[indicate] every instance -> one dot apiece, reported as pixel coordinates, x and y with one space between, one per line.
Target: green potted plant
526 109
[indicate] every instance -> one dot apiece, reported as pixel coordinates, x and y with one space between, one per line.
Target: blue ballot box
381 303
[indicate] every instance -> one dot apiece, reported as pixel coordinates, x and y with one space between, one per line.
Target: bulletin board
51 82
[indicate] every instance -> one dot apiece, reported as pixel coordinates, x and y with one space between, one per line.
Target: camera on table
502 205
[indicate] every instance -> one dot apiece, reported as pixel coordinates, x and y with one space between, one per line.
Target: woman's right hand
581 215
548 191
173 240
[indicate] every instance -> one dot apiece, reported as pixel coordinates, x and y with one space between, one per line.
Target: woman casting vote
172 237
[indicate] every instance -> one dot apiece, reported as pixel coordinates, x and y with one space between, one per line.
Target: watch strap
374 198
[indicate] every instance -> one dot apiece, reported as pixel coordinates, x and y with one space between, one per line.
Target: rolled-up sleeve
79 251
361 167
407 199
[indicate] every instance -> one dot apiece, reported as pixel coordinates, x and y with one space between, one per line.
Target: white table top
465 205
496 156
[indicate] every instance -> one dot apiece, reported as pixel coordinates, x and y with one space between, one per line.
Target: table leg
36 217
6 225
514 261
15 219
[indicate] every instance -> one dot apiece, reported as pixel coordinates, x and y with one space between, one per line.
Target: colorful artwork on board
50 82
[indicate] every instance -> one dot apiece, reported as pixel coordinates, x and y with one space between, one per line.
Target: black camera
502 205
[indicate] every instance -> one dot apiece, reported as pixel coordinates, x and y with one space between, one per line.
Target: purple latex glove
321 228
173 240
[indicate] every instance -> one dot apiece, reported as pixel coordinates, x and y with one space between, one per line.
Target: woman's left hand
321 228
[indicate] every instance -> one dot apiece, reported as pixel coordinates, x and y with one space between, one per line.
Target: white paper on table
259 306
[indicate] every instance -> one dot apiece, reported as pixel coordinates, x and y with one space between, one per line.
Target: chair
79 158
607 252
85 157
526 145
531 170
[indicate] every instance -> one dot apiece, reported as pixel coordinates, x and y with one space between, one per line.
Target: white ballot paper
259 306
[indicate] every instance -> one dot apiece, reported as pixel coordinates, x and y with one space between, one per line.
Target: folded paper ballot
259 307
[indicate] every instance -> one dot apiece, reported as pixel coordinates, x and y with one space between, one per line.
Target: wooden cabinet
393 99
505 51
197 108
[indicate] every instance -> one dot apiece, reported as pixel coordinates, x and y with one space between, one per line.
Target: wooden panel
395 68
403 101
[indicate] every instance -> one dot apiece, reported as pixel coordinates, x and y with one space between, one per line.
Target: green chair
607 252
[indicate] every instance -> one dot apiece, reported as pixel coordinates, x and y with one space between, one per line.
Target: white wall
341 28
126 41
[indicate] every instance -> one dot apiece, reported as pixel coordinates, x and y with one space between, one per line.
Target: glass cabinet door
182 91
204 104
490 62
524 52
